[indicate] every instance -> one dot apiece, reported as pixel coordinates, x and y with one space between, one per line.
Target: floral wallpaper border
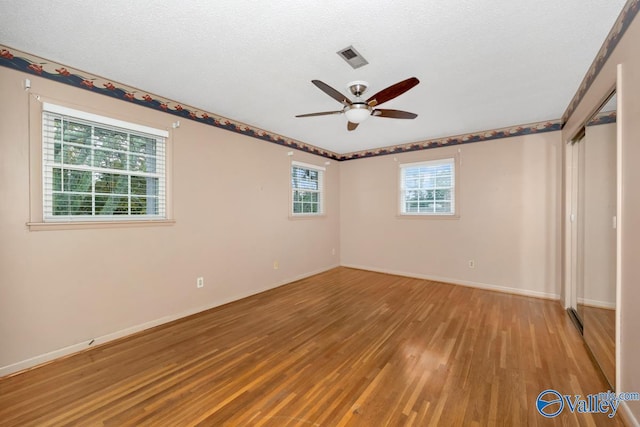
32 64
35 65
508 132
627 15
603 118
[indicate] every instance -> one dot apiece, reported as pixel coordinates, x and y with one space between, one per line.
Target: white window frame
403 189
320 191
49 163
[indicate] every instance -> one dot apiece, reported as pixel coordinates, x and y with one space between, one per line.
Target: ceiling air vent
352 56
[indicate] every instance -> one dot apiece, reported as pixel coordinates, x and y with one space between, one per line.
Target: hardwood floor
343 348
600 335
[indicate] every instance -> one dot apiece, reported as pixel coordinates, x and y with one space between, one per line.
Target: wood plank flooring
600 336
343 348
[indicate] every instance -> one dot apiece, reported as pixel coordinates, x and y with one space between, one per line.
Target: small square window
428 188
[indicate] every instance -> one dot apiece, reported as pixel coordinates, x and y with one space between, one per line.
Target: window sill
82 225
409 216
307 216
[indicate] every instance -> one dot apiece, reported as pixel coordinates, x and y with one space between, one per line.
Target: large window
428 188
96 168
307 196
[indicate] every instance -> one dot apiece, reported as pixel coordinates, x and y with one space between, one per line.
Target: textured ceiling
483 64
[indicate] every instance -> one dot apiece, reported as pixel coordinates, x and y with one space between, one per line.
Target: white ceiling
483 64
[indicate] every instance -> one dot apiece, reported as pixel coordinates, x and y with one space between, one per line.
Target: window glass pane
60 204
443 194
80 204
109 159
77 133
108 138
412 195
443 181
412 183
427 180
138 205
72 204
144 205
74 155
142 145
411 174
443 170
304 178
112 205
142 163
57 152
57 179
76 181
141 185
443 207
111 183
56 130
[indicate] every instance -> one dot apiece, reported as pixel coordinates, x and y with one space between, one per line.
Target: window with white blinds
428 188
101 169
307 189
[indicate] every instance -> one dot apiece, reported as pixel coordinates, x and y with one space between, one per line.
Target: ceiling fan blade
392 91
351 126
394 114
331 92
324 113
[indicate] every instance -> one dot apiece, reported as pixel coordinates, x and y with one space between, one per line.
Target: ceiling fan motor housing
358 87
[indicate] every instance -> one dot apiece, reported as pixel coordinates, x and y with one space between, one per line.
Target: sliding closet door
591 236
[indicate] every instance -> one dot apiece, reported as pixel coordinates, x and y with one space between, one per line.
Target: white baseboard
479 285
597 304
75 348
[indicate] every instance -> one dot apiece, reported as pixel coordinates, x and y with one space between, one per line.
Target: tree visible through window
94 170
428 188
306 189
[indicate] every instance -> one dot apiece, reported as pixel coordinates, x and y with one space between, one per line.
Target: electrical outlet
472 263
276 265
333 251
200 282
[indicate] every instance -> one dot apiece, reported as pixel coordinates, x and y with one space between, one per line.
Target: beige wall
60 289
626 54
509 201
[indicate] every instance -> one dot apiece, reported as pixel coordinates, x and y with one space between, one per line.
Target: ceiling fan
358 110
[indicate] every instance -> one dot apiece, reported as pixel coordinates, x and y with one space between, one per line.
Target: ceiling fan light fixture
358 112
